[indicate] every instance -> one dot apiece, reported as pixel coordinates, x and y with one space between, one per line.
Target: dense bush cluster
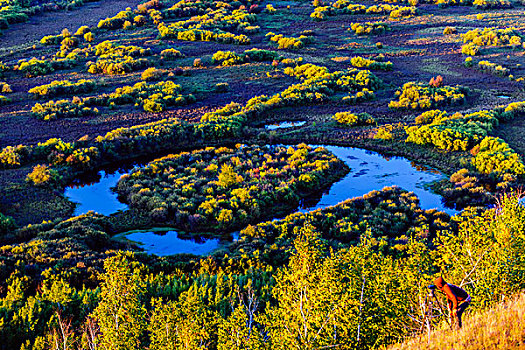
493 155
368 28
42 175
118 59
35 67
61 109
390 214
493 37
118 21
203 35
453 133
230 58
423 96
460 132
63 87
361 62
212 26
492 4
348 7
226 188
351 119
493 68
170 54
292 43
152 97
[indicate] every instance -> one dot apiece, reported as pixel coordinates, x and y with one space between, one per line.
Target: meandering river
369 171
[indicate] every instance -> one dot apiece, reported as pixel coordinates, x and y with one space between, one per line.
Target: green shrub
368 28
63 87
170 54
350 119
82 31
493 155
218 187
61 109
42 175
361 62
423 96
116 22
152 74
493 68
7 223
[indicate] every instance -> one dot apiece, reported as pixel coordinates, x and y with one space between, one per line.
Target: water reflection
284 125
166 241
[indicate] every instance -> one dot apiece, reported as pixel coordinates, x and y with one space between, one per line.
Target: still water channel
369 171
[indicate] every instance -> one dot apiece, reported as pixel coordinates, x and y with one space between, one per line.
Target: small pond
96 194
284 125
369 171
165 241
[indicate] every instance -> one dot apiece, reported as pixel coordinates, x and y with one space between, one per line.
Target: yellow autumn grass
500 327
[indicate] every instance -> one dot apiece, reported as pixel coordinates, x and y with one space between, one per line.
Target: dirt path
53 22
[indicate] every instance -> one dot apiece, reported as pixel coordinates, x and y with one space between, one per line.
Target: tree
120 314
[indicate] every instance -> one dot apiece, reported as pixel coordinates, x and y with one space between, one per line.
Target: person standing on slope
458 300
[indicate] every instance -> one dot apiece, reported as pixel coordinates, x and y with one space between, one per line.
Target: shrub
384 133
493 68
152 97
82 31
289 42
495 156
61 109
197 63
350 119
423 96
449 30
170 54
89 37
7 223
361 62
368 28
492 4
116 22
227 58
270 8
4 100
117 65
208 183
5 87
222 87
470 49
63 87
12 157
42 175
152 74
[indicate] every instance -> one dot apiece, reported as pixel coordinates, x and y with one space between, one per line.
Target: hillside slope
500 327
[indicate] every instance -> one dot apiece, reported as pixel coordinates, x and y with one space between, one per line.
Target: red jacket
454 295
